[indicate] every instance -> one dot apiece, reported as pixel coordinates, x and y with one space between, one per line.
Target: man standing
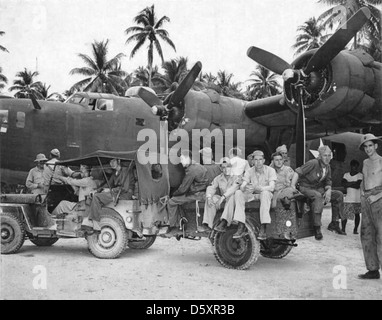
35 179
51 174
191 189
258 184
315 180
371 203
221 190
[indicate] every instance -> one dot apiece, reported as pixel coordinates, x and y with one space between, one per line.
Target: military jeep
136 223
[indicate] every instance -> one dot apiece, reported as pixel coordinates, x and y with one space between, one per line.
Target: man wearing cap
222 189
51 174
213 169
315 182
258 184
371 203
284 152
35 179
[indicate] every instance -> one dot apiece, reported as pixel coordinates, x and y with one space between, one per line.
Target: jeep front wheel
111 241
236 253
274 250
12 233
141 244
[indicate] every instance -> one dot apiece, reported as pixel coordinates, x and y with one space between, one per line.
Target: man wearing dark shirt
122 185
191 189
315 182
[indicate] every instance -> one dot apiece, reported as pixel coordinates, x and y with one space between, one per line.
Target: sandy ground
187 269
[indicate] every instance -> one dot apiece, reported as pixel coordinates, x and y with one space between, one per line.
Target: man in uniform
371 203
221 190
191 189
51 174
213 169
35 179
315 182
258 184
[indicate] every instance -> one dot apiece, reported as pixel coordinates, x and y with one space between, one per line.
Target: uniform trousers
175 203
210 212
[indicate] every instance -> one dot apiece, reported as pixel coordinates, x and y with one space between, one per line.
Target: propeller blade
338 41
185 85
300 134
268 60
36 105
150 98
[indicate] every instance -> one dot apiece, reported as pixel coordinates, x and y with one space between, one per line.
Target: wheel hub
107 237
6 233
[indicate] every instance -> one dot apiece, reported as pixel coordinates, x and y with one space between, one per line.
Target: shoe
262 234
286 203
221 227
240 231
334 226
204 228
355 231
370 275
54 227
317 233
171 232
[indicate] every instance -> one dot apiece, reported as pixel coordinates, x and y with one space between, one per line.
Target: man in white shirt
35 179
239 165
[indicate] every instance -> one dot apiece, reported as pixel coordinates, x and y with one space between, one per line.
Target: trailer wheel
139 245
111 241
272 250
43 242
236 253
12 233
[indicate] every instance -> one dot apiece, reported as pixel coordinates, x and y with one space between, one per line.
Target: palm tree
264 84
26 85
3 79
103 75
174 71
1 47
311 36
142 77
149 28
372 27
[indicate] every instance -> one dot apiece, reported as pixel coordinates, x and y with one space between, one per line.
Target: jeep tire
12 233
236 253
274 250
111 241
139 245
43 242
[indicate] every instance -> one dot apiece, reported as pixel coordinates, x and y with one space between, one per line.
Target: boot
317 233
240 231
370 275
221 227
262 233
343 225
335 226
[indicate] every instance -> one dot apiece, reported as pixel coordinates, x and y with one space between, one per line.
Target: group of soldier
233 181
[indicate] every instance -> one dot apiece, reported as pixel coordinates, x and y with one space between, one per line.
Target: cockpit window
77 99
3 121
104 104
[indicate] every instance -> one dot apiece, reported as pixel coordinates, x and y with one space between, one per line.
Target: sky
47 35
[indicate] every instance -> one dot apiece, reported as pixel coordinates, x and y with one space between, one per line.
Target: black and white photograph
192 156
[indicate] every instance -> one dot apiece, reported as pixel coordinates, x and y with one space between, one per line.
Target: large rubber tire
12 233
43 242
139 245
272 250
111 242
236 253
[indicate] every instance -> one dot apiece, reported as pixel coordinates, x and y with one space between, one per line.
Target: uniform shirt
35 177
284 177
59 171
312 175
353 195
260 179
86 186
223 186
123 179
194 181
239 166
213 170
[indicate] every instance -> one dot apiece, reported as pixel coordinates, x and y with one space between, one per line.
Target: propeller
308 79
172 108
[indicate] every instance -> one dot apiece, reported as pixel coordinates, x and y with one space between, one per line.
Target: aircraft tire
237 254
12 233
43 242
140 245
111 241
274 251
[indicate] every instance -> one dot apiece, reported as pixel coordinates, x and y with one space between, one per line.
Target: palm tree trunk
150 62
